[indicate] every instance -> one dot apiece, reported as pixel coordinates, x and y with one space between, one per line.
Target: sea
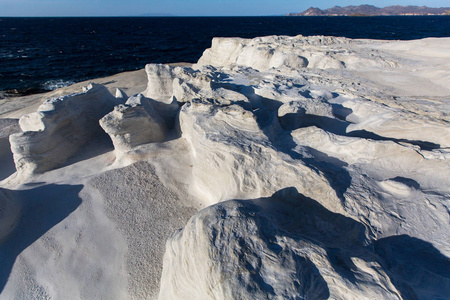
42 54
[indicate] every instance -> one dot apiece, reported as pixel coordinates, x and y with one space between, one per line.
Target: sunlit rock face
337 173
290 247
233 156
161 80
59 128
274 52
134 123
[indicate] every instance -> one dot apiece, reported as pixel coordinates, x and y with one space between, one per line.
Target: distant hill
370 10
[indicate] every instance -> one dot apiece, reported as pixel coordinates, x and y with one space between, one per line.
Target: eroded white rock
161 78
134 123
372 168
295 114
59 127
233 156
120 94
264 53
287 247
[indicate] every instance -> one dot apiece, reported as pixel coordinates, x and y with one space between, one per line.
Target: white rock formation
161 79
280 247
321 163
398 123
134 123
295 114
264 53
59 127
230 142
387 177
169 86
290 247
120 94
380 170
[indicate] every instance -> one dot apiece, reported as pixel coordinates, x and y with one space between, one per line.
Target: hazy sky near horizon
183 7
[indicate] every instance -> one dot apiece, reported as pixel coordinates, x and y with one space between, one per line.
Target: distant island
370 10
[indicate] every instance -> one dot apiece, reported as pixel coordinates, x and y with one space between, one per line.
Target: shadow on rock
41 209
428 146
6 159
416 268
7 127
339 127
332 168
303 217
241 249
265 111
339 111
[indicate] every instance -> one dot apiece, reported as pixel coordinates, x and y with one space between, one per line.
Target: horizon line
212 16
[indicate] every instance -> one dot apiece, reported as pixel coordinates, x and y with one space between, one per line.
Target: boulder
161 78
134 123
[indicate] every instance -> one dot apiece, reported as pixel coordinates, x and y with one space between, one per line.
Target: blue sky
183 7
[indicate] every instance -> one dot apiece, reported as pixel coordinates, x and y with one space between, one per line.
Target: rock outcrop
275 52
161 81
230 142
320 168
134 123
291 130
59 128
295 114
286 247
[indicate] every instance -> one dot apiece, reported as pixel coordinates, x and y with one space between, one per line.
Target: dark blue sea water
39 54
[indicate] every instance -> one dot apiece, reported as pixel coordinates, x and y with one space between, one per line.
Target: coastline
373 11
131 82
91 55
297 166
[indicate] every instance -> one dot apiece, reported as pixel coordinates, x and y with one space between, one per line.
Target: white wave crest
57 84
